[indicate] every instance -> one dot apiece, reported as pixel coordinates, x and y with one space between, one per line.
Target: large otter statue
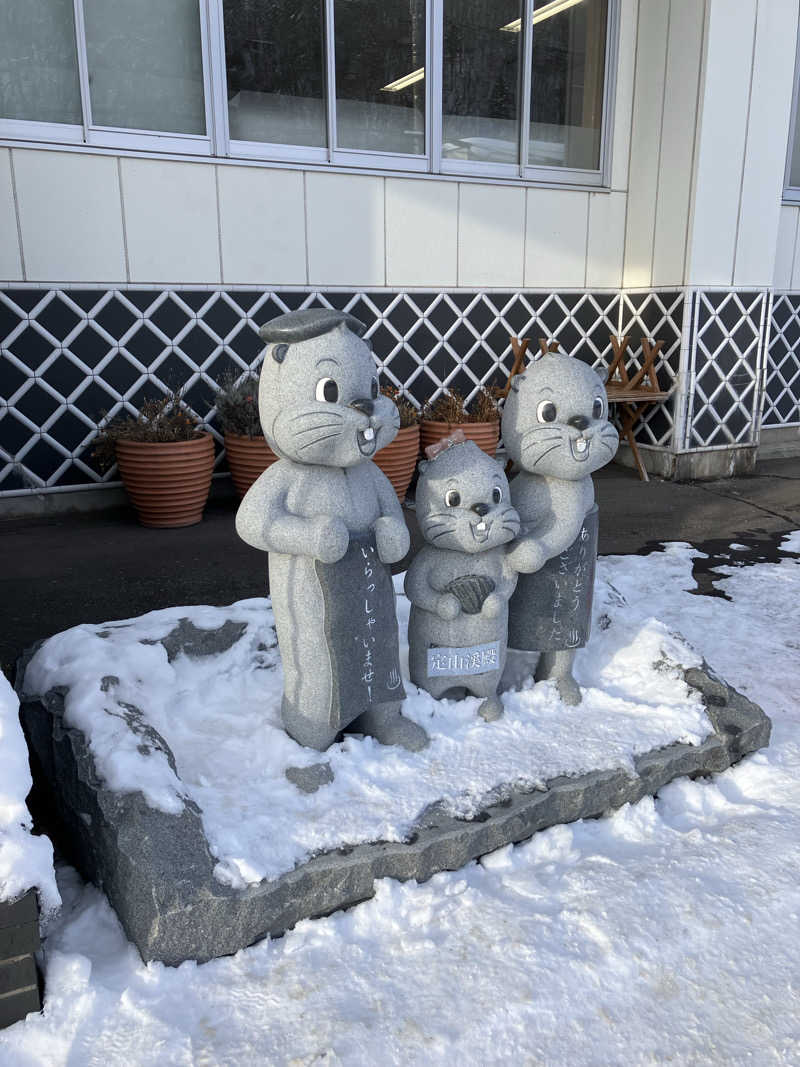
331 523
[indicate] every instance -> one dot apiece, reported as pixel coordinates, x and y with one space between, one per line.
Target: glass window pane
480 86
146 65
276 79
39 62
568 69
380 75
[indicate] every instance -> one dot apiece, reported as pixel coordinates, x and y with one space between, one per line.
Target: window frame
217 144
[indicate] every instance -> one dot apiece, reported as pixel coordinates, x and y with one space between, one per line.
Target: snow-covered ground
220 716
666 933
26 862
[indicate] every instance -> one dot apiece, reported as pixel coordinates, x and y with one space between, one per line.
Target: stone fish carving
460 581
331 523
556 430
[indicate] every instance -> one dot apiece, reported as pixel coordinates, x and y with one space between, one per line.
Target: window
510 88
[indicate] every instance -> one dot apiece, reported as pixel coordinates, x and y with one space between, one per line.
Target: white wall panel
626 66
10 262
606 244
767 137
70 216
555 238
262 226
491 235
684 47
645 139
718 175
171 221
785 246
421 232
345 226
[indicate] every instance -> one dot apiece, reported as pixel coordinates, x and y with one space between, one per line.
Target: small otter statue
556 430
331 523
460 581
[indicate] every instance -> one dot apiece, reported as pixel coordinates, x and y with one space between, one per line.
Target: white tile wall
718 181
171 221
684 47
346 229
606 243
767 138
645 140
785 247
262 226
491 235
555 238
421 232
70 216
10 263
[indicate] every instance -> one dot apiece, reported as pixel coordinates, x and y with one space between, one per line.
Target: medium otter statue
461 579
556 430
331 523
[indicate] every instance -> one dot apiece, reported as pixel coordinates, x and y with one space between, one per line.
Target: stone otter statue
460 580
556 430
331 522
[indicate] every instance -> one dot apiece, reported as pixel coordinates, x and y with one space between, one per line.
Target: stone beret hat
308 323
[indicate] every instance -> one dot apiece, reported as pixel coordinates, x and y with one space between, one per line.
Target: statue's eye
374 389
597 409
497 494
546 411
327 390
452 498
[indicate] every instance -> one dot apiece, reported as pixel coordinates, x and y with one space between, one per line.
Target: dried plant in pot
247 451
399 458
165 460
479 419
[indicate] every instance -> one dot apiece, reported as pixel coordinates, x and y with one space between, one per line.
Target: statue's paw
448 607
392 539
492 606
491 709
333 540
526 557
569 690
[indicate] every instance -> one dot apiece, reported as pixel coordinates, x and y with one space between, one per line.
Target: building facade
451 171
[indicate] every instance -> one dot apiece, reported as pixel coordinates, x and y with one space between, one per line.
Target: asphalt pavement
58 571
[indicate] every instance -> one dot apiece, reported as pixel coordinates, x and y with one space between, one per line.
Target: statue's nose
364 404
580 422
480 509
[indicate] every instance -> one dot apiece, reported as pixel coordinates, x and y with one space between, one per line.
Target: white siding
491 236
645 141
10 262
70 216
171 221
555 238
606 243
346 229
676 151
421 232
767 138
785 249
262 226
718 176
623 108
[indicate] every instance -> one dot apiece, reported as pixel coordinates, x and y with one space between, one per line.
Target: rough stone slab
157 869
17 1005
19 940
24 909
17 975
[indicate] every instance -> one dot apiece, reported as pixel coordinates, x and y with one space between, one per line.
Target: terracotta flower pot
399 458
168 483
248 457
484 434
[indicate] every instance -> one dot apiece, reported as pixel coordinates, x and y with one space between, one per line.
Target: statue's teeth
369 433
481 526
581 444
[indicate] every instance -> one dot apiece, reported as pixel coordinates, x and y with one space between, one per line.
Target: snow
220 715
665 933
26 862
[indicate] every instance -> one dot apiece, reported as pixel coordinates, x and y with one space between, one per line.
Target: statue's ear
602 374
279 352
423 465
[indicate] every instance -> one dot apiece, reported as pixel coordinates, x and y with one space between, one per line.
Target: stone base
706 465
19 939
157 869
